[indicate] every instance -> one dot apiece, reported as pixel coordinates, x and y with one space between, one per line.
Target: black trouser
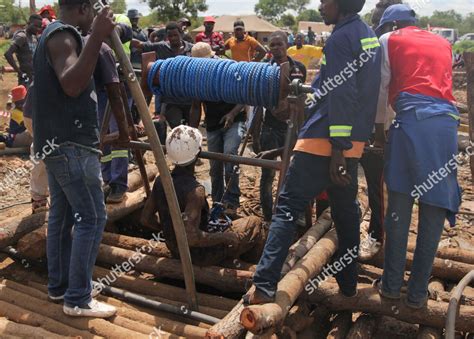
372 163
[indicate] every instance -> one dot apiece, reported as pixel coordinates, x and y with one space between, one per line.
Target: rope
249 83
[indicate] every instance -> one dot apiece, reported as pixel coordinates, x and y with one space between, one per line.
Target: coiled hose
249 83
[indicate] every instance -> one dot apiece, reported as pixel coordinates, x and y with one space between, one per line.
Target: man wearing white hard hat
210 242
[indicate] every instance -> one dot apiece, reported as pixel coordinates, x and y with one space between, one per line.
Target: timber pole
469 62
159 156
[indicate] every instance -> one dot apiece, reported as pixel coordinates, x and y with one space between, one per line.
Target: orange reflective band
320 146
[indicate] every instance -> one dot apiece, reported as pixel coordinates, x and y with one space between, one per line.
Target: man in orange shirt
243 46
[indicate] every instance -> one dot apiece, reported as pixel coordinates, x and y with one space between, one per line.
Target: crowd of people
370 105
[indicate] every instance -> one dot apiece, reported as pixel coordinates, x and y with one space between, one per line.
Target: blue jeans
270 138
75 186
307 177
397 225
373 164
225 141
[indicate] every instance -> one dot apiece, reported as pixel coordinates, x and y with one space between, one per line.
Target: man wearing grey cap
138 34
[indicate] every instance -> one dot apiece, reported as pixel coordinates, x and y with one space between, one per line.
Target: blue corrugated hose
249 83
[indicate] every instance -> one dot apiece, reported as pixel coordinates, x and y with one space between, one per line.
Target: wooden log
238 264
153 288
15 151
23 316
98 326
142 310
15 228
223 279
363 328
445 269
131 202
369 301
166 325
317 330
340 326
307 241
33 245
299 316
127 317
372 273
469 61
435 287
26 331
154 246
230 326
259 318
135 180
455 254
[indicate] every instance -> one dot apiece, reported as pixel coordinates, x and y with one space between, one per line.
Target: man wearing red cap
215 39
17 135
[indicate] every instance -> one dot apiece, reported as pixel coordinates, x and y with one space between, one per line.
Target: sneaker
257 298
378 285
416 305
116 195
369 247
94 308
96 290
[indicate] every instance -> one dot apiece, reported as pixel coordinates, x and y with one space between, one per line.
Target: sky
236 7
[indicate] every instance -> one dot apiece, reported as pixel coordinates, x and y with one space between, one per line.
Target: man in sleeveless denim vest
66 137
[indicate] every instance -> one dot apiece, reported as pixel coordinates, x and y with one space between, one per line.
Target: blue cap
398 12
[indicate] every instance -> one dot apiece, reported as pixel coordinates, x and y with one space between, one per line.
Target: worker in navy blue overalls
342 114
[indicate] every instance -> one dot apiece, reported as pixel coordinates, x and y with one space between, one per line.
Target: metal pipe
170 193
453 308
235 159
159 306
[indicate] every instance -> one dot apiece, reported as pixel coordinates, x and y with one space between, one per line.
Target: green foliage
449 19
118 6
464 46
4 45
309 15
271 10
11 13
169 10
298 5
287 20
367 17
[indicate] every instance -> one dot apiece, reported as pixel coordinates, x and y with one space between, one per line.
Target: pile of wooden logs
324 313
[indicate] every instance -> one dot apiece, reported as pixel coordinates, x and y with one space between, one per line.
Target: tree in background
13 14
118 6
169 10
287 20
309 15
271 10
298 5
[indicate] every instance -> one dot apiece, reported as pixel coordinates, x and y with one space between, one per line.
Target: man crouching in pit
244 238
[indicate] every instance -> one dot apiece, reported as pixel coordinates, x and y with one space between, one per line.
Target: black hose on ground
159 306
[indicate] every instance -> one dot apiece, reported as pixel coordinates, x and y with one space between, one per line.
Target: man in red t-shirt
215 39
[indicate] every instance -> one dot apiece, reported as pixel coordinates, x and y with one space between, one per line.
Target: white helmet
183 145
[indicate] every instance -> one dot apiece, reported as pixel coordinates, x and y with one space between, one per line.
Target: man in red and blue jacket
341 118
421 154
